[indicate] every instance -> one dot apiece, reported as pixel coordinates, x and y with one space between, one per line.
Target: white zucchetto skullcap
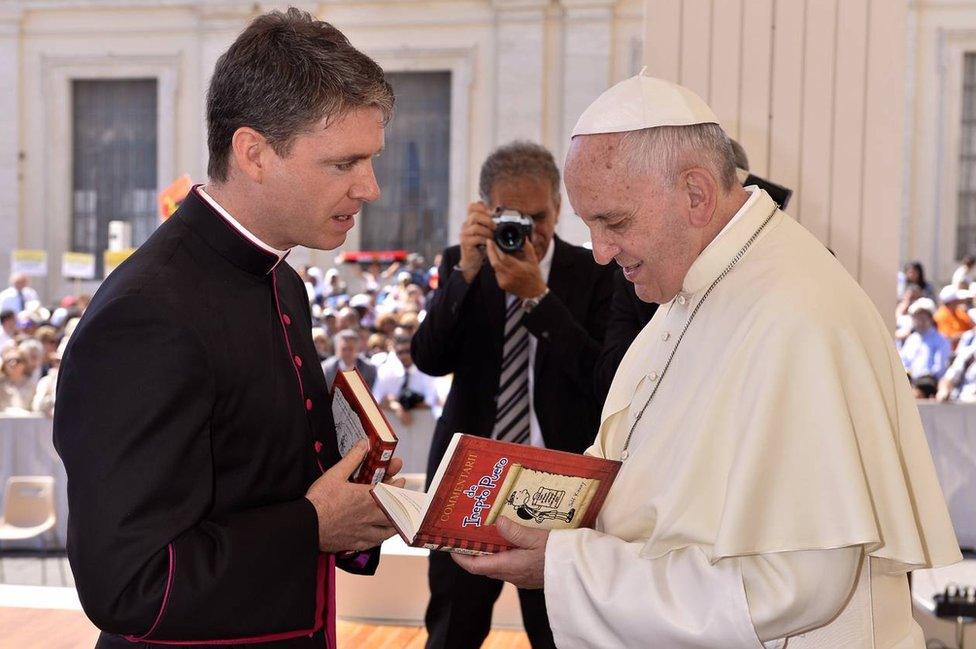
643 102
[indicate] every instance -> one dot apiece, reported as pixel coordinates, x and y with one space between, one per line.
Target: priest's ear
701 189
249 153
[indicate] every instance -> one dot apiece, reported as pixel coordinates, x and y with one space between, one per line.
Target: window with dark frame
414 169
114 175
966 216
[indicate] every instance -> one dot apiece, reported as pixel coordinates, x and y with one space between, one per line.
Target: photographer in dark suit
521 333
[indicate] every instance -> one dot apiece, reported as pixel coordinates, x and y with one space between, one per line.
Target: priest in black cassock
208 501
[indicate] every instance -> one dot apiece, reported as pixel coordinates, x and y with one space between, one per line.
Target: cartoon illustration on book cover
542 499
528 506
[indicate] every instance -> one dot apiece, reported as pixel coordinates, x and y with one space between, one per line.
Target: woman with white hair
33 351
16 386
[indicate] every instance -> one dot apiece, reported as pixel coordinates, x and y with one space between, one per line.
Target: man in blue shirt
925 352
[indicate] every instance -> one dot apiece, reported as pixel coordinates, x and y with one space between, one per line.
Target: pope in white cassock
776 484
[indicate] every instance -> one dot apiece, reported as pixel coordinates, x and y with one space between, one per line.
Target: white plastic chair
28 512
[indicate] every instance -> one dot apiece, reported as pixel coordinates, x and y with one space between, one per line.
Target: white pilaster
587 65
519 69
220 22
10 131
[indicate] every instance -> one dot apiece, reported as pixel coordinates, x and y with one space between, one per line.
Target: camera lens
509 237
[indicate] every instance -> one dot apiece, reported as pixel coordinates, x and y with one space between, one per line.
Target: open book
357 416
480 479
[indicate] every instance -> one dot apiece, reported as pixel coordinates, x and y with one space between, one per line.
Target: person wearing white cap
952 318
776 483
925 352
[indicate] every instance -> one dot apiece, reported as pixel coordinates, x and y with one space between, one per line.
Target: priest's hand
396 464
349 519
524 566
519 272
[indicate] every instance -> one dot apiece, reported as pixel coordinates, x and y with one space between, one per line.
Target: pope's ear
249 150
702 194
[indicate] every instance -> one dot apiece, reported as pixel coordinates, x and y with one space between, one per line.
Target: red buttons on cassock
285 318
298 361
318 446
308 404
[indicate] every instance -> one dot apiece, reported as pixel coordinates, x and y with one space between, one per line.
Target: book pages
407 508
349 429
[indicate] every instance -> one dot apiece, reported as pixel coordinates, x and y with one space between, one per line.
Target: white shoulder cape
785 421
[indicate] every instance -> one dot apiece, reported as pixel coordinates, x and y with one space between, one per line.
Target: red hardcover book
358 416
481 479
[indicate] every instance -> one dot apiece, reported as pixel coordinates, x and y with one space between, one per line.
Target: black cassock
192 416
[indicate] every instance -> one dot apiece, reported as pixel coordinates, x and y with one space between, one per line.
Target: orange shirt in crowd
952 323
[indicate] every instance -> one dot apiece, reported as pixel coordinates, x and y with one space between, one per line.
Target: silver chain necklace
624 454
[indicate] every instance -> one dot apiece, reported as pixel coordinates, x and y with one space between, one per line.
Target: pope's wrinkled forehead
597 175
591 157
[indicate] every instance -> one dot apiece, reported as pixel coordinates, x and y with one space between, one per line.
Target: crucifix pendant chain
625 453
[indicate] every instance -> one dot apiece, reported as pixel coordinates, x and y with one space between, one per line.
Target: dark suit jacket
331 366
463 333
628 315
192 417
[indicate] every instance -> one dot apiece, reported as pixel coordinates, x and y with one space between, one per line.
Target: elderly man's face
634 219
348 350
532 197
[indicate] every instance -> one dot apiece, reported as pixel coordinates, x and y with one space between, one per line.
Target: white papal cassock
778 484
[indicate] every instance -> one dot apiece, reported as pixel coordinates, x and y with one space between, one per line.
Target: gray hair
282 75
346 334
32 346
741 159
669 150
518 159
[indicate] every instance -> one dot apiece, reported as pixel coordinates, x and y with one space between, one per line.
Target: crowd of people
32 339
370 327
367 322
936 332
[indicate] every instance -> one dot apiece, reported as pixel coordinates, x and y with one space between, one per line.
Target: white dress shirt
389 381
10 300
535 431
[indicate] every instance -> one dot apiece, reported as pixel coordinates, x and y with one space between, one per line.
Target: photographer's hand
475 233
518 273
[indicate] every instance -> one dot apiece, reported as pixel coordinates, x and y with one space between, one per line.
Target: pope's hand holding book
524 566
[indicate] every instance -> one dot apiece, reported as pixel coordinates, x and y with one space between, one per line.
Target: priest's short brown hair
284 73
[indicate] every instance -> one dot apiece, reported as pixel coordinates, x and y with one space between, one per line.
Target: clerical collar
717 254
250 236
217 230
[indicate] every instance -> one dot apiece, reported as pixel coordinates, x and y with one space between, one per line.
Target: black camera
512 229
409 399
